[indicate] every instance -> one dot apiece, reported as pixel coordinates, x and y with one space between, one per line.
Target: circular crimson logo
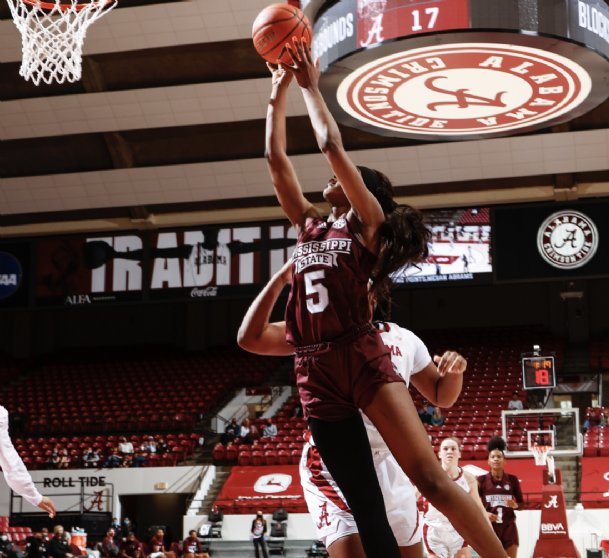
567 239
464 89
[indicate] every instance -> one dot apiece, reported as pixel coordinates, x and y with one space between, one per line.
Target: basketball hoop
52 36
540 453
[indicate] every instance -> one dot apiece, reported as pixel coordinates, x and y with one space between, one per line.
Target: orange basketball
275 26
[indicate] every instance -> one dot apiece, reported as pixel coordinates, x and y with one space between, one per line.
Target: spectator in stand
162 447
245 432
109 547
192 547
125 446
53 461
604 419
64 459
118 530
231 431
157 545
131 547
139 460
127 525
425 414
127 462
90 459
7 548
149 445
59 545
515 403
437 418
36 545
254 432
113 460
270 430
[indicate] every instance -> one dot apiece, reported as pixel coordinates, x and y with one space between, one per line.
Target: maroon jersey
191 546
494 494
330 274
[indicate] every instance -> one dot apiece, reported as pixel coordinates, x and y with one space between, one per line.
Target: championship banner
280 482
595 482
551 241
15 274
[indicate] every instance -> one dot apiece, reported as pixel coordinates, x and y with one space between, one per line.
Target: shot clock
538 372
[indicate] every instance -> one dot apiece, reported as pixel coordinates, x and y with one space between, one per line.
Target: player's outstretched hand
304 69
451 362
279 76
47 505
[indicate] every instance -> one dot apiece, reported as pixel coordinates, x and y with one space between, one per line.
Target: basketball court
133 184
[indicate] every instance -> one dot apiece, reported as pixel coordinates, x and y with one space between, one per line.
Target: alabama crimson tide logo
464 89
567 239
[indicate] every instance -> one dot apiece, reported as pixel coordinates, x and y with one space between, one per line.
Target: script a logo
553 528
270 484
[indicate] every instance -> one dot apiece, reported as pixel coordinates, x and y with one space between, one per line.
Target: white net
540 453
52 36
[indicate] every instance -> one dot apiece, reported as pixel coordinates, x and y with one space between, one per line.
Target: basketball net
542 457
52 36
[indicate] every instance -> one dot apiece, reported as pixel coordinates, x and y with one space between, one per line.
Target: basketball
275 26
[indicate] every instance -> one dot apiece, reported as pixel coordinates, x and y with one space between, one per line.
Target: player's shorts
443 542
507 532
336 379
330 512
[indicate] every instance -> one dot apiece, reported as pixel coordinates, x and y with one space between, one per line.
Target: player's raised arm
327 133
287 188
256 334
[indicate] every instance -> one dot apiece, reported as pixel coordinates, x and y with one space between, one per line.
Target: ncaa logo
567 239
467 89
11 274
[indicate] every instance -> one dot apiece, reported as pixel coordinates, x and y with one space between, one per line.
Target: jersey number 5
317 294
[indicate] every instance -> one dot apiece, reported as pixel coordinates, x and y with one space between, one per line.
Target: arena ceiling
166 128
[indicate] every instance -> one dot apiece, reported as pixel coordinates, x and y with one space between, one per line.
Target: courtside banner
14 274
281 482
595 482
196 263
551 241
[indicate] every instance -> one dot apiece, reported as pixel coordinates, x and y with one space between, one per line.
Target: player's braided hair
404 235
496 443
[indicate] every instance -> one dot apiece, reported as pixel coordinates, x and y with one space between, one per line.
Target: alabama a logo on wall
567 239
464 89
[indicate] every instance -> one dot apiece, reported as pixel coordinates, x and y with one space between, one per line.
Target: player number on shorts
317 294
542 377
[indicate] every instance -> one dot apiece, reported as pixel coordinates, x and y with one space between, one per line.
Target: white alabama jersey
437 519
409 356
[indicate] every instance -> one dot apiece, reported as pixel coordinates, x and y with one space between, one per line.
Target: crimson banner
595 481
261 483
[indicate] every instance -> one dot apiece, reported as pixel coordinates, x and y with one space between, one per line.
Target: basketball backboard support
557 428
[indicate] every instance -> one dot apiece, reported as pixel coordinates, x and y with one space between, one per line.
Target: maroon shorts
337 379
507 533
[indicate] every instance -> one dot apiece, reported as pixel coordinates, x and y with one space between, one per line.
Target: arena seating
15 534
134 393
36 451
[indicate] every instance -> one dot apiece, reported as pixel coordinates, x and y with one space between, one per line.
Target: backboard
557 428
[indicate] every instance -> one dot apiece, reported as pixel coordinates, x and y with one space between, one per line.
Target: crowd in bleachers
596 432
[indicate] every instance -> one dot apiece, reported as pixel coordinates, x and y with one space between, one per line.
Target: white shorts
443 542
330 512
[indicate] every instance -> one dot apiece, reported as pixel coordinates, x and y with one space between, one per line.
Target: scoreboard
538 372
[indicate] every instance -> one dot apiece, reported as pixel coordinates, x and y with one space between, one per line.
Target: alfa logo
464 89
567 239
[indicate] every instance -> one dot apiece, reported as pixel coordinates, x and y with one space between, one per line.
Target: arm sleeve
15 473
